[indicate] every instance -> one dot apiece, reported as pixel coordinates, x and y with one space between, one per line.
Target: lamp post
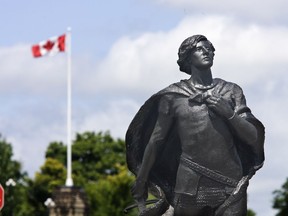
49 203
10 183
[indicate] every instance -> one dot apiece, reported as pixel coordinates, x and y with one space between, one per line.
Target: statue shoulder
227 86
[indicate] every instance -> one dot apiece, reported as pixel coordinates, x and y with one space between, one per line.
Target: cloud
246 11
137 63
20 72
33 93
116 118
244 53
30 135
147 63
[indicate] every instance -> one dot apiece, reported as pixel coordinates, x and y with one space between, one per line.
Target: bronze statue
195 144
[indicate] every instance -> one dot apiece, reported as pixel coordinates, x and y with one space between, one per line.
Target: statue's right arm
155 143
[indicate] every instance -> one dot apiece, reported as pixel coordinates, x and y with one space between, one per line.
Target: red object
49 47
2 193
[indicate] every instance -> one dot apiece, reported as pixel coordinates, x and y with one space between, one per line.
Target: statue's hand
220 105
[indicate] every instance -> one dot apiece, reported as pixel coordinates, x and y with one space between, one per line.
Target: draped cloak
163 172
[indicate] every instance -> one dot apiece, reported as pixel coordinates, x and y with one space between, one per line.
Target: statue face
202 55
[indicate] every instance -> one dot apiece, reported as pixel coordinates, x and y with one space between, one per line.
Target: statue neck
201 77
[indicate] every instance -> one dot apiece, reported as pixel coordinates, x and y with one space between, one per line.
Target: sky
122 53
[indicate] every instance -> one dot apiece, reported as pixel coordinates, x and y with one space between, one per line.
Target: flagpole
69 180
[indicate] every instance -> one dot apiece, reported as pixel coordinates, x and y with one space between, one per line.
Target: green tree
98 163
93 155
280 201
14 181
51 175
110 194
96 155
56 150
251 213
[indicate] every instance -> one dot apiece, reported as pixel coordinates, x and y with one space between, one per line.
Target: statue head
185 50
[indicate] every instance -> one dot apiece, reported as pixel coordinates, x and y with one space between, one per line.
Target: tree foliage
96 155
57 151
280 201
110 194
51 175
251 213
98 163
9 167
14 182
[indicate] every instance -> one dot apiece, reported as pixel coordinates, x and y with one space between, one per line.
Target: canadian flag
49 47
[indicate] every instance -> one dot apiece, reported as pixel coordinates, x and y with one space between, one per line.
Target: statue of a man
197 140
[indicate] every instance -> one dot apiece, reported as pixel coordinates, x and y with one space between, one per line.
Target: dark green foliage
16 199
51 175
110 194
98 163
96 155
9 168
57 150
280 201
251 213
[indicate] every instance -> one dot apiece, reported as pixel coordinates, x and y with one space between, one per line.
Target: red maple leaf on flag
49 45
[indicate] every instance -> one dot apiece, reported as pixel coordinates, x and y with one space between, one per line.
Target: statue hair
185 49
